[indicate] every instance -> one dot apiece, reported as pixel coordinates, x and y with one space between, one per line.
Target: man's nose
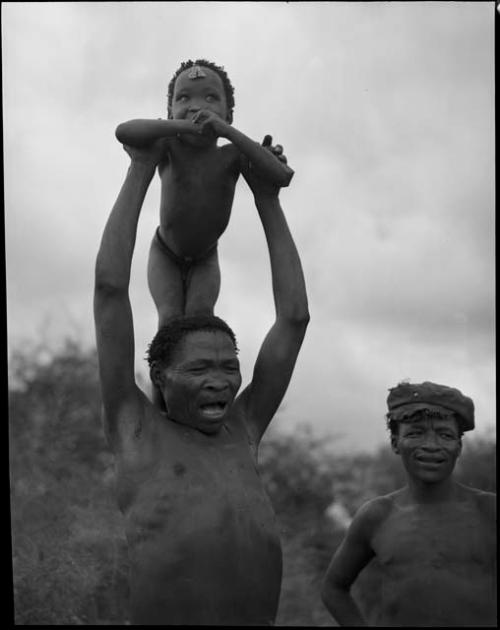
216 382
430 441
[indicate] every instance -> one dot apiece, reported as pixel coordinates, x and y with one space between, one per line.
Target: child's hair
393 424
161 348
228 88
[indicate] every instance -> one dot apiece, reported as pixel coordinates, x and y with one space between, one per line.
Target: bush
476 465
297 473
69 552
68 548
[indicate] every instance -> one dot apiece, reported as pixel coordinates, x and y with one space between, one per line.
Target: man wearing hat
434 539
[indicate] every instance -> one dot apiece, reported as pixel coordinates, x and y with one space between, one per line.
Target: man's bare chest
181 480
452 537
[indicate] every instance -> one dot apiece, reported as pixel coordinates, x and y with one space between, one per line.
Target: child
198 182
434 539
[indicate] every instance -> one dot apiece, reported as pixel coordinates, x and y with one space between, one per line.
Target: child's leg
203 286
166 287
165 283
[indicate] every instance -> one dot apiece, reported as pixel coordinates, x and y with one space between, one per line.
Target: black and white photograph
250 297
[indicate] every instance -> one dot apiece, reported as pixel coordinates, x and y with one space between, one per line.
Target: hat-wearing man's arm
278 353
122 399
350 558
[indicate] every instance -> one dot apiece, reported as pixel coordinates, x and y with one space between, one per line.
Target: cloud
385 111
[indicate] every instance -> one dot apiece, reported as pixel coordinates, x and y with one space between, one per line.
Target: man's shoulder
375 511
475 494
379 507
484 501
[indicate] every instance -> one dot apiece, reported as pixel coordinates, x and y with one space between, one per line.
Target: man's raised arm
112 310
278 353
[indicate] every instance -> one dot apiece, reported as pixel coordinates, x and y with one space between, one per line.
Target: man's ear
394 443
156 374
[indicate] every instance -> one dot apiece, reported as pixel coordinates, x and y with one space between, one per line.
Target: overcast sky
386 113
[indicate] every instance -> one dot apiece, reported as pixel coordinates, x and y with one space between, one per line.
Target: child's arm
262 159
142 132
353 554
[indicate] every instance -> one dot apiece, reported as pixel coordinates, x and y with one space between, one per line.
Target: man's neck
441 492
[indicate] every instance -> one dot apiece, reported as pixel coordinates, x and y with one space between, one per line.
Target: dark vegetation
69 552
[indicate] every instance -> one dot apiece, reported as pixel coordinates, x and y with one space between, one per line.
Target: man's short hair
228 88
161 348
411 401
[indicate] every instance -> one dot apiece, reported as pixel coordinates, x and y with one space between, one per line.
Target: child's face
429 447
205 91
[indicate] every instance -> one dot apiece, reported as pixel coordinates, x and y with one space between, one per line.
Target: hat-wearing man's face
429 447
202 380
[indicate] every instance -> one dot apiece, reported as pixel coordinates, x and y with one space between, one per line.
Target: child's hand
259 185
152 154
209 123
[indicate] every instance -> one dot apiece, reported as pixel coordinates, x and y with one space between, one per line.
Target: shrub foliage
68 549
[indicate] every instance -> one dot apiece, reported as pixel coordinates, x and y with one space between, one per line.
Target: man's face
201 92
202 380
429 447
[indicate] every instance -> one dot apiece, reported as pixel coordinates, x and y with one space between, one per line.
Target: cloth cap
407 398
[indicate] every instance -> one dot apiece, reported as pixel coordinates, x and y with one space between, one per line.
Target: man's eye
182 98
211 98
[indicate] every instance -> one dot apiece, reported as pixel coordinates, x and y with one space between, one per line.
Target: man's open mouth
214 410
430 460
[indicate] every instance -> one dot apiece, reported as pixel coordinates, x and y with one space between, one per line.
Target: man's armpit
125 427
